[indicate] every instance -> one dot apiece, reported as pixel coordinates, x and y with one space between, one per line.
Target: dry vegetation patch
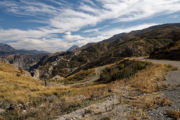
173 113
21 88
139 90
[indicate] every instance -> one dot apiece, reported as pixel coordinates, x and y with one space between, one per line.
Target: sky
56 25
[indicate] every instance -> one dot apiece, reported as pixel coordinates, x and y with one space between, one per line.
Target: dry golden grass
137 114
23 88
149 80
173 113
150 101
16 86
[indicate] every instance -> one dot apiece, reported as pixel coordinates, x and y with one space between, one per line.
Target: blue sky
56 25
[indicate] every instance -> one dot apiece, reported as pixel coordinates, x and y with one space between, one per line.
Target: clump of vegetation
121 70
106 118
172 51
173 113
151 81
79 77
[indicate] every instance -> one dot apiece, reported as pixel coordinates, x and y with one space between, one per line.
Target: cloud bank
69 23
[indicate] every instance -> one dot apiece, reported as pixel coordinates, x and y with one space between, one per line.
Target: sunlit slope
18 86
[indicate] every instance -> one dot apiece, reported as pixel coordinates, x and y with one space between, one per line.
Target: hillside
8 50
20 58
23 97
136 43
5 49
171 52
22 61
72 48
102 80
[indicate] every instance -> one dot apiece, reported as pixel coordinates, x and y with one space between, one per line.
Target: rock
20 106
109 90
28 104
2 111
7 105
24 112
42 105
10 107
21 60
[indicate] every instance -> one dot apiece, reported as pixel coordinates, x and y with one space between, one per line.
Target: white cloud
68 37
29 8
65 19
40 39
117 10
91 30
48 41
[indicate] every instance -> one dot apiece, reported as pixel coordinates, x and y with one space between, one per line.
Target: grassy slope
16 86
19 88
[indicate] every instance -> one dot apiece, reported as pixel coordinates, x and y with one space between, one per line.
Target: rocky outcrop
22 61
20 58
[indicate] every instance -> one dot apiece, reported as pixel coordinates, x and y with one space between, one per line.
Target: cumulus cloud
62 18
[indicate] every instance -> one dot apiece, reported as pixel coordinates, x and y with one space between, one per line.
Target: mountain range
104 80
162 42
147 42
73 48
8 50
20 58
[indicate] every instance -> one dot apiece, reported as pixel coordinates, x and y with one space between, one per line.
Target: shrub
121 70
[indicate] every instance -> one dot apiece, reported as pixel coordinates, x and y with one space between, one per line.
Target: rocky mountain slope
73 48
4 49
97 81
22 61
171 52
136 43
20 58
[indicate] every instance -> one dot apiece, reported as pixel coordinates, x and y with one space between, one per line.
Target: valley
130 76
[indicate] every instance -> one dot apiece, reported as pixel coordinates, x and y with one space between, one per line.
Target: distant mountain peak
73 48
6 49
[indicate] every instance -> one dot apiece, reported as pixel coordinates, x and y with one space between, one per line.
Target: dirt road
172 92
112 106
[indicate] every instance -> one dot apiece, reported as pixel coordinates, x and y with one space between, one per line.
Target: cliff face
136 43
20 58
23 61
